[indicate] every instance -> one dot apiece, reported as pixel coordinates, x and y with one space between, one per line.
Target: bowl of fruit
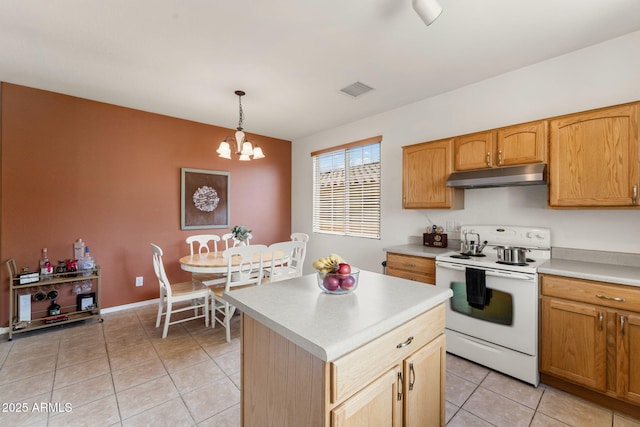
335 275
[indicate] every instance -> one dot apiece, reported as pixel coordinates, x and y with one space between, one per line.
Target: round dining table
214 262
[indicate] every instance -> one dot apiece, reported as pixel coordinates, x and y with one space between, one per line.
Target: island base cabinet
378 404
397 379
424 386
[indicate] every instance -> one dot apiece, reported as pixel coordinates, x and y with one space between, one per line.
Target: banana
328 264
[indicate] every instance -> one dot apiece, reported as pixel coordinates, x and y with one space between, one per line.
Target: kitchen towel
477 295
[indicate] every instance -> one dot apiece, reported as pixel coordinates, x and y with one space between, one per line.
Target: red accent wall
74 168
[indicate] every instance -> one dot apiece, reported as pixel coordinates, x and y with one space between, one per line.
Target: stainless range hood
532 174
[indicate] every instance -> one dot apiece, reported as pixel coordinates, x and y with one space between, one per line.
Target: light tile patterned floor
121 373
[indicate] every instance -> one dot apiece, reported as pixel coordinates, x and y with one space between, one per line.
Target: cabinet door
628 352
593 158
378 404
573 342
410 267
425 169
474 151
424 387
520 144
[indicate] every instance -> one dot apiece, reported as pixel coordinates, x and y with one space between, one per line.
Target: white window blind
346 190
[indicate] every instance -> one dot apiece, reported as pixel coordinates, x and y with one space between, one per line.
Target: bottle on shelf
54 309
46 269
86 262
78 249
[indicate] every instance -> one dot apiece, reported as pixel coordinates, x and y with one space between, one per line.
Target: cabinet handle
406 343
500 158
635 194
400 385
622 323
406 264
600 320
488 159
611 298
412 377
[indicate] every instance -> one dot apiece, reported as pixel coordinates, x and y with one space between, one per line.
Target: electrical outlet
139 281
451 226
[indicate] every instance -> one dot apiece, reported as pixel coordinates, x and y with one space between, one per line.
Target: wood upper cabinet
521 144
508 146
474 151
593 158
425 169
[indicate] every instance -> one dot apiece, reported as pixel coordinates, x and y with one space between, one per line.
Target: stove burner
461 256
522 264
474 255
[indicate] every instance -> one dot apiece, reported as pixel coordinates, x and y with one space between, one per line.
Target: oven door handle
494 273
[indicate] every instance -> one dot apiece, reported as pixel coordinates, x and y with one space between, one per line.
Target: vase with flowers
241 234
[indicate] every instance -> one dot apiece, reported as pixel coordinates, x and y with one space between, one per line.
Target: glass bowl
338 284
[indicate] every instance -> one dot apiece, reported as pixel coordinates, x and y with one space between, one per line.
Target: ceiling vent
356 89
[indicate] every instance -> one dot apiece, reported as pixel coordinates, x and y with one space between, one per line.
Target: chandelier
243 147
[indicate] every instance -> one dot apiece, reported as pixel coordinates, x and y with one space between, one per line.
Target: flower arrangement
241 233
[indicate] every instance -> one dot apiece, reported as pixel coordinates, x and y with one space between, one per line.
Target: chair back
201 243
286 260
230 242
158 268
245 265
303 237
11 268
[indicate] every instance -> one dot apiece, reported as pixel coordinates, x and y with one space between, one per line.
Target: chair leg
206 311
160 304
167 317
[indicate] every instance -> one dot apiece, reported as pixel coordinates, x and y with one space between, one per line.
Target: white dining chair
244 268
286 261
230 242
205 244
303 237
193 291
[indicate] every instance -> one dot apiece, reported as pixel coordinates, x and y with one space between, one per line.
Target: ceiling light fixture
427 10
243 147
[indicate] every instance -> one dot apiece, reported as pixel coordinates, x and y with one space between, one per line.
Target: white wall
599 76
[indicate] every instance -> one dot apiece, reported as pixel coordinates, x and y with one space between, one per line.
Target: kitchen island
372 357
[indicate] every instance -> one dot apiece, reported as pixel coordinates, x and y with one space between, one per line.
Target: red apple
347 283
331 283
344 268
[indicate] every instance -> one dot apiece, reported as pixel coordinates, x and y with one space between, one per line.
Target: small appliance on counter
435 238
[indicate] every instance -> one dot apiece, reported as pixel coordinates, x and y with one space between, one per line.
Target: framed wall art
204 199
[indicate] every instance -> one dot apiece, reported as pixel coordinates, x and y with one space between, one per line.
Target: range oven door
510 319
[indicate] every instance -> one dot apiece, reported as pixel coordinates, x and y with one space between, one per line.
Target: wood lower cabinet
398 379
419 269
593 158
590 337
425 169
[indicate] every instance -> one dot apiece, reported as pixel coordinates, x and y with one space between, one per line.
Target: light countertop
421 250
610 273
330 326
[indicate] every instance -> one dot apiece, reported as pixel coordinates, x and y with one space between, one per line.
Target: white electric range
502 333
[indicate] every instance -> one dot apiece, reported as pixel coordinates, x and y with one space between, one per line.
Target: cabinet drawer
418 277
353 371
416 264
589 291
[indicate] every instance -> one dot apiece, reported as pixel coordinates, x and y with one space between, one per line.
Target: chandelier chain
241 119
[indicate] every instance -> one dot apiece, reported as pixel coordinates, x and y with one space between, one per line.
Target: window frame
351 203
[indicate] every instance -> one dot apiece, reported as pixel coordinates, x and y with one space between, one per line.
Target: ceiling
186 58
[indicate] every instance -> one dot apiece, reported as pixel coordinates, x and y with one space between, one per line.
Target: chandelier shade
242 146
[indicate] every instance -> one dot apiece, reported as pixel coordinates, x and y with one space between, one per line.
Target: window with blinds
346 189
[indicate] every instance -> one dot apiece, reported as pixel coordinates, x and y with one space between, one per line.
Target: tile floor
121 373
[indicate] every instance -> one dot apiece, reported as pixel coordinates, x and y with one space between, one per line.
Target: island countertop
330 326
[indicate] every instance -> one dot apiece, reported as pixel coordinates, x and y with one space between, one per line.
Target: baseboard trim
5 330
